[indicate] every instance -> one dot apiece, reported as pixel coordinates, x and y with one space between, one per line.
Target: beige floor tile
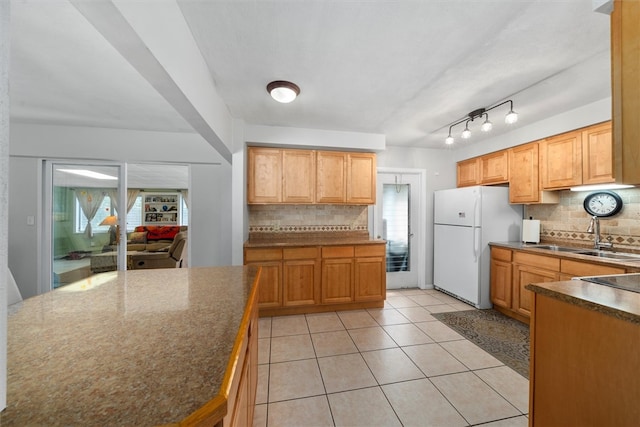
367 407
424 299
438 331
293 380
409 291
447 299
260 416
461 306
408 334
291 347
262 390
264 350
387 305
264 327
345 372
475 400
356 319
511 385
440 308
324 322
288 325
401 301
520 421
310 411
391 365
419 403
416 314
434 360
387 316
333 343
367 339
470 354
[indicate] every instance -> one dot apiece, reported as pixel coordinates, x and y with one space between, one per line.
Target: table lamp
114 229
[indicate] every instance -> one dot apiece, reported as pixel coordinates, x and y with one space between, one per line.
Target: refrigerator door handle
475 227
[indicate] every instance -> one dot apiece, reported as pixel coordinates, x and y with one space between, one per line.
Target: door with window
82 222
397 220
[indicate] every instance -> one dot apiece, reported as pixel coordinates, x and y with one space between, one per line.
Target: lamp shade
110 220
283 91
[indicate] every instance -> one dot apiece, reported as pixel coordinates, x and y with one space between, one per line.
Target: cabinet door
370 282
331 184
299 282
524 275
298 176
501 283
337 280
468 172
597 154
523 174
361 178
264 183
494 168
269 286
561 160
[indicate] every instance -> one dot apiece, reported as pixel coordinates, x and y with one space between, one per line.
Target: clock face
603 203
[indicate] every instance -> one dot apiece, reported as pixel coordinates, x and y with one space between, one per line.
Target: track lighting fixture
509 119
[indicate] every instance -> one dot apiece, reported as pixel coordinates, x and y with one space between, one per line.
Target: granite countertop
528 247
624 305
124 348
259 240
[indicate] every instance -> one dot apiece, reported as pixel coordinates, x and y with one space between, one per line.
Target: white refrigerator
465 221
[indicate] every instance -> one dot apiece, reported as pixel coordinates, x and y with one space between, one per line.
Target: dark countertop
124 348
624 305
310 239
528 247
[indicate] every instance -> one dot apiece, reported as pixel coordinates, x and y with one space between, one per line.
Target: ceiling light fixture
509 119
283 91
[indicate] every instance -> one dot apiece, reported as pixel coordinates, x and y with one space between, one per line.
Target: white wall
210 194
440 170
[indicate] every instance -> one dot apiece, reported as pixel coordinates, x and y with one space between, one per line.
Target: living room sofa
150 238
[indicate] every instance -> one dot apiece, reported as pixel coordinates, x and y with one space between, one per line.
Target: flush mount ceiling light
509 119
283 91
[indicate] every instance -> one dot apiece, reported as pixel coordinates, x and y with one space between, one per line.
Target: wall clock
602 203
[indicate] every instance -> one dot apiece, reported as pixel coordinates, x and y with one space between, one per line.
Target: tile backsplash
307 218
567 221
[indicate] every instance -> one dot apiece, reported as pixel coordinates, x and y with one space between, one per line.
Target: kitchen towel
531 230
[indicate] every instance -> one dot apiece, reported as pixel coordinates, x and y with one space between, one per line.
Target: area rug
504 338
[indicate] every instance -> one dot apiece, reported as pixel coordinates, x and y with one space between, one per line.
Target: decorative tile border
305 228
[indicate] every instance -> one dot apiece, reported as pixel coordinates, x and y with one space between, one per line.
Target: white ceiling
403 68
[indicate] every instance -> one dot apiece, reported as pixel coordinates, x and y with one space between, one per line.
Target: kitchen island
143 348
585 355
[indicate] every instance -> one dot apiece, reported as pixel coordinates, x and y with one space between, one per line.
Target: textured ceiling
404 68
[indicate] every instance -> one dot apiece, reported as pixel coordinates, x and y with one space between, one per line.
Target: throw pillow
138 237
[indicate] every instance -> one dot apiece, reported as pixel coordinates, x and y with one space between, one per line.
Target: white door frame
419 232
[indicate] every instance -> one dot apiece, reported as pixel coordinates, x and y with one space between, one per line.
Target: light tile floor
396 366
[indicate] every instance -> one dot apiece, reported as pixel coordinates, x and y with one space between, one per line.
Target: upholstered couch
151 238
173 258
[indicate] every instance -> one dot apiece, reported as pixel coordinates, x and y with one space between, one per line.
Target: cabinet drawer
369 250
577 268
300 253
548 263
337 252
501 254
271 254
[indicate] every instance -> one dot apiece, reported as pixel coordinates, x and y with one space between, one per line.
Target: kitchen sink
609 255
555 248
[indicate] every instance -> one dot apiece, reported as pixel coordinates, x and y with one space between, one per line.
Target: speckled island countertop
129 348
624 305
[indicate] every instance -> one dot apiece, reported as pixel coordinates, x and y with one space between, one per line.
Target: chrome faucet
594 228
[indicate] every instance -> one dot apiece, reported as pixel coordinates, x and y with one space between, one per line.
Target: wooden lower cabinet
522 276
584 366
501 277
319 278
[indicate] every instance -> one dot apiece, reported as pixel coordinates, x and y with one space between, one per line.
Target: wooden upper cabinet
331 183
264 183
361 178
561 160
523 170
494 168
468 172
299 176
597 154
625 89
